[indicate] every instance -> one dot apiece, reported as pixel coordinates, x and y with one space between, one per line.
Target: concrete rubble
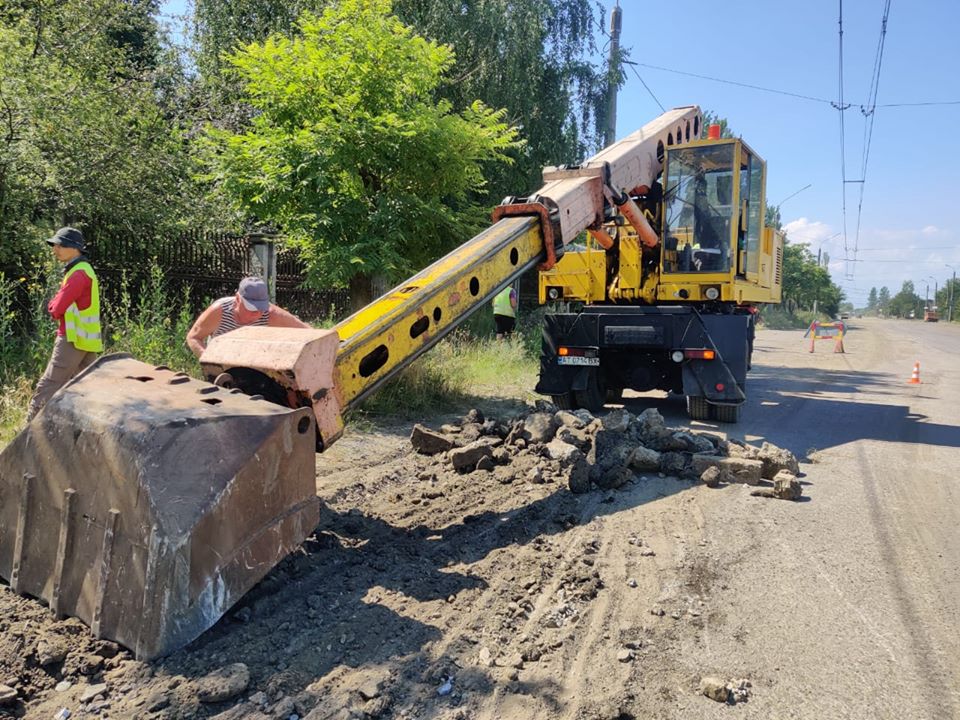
550 445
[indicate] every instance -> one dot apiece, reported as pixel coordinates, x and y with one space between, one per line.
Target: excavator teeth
146 503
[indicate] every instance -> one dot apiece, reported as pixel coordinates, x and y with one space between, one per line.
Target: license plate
577 360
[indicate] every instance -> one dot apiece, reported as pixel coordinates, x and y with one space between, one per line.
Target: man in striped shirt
249 306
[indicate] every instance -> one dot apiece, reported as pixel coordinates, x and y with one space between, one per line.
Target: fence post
263 260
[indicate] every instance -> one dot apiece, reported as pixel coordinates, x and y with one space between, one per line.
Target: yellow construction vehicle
146 503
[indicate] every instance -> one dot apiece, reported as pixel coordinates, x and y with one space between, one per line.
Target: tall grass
148 322
470 363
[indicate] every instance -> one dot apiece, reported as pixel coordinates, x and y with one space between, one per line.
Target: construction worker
249 306
76 306
505 311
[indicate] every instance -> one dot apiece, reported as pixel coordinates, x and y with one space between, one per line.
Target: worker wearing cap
249 306
76 306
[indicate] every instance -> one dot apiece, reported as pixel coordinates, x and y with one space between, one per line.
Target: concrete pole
950 302
610 134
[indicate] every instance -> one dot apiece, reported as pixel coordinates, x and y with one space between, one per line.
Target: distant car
844 316
912 315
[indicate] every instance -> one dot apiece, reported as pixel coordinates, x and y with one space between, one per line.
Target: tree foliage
905 302
536 58
805 282
348 152
84 138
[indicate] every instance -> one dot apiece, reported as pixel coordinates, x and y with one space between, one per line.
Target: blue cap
253 293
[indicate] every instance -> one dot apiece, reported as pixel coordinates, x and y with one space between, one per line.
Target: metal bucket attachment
146 503
288 366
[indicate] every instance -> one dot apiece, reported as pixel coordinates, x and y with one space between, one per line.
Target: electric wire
870 114
647 87
843 155
734 82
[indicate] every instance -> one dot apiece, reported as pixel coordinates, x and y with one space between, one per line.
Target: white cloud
804 230
930 230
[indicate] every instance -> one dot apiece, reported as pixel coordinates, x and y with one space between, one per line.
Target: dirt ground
428 593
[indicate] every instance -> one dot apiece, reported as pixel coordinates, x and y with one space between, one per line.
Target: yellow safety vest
83 326
502 304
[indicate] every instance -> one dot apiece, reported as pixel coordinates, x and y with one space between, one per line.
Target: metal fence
204 266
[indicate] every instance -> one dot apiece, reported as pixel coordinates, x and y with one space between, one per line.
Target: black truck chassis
589 357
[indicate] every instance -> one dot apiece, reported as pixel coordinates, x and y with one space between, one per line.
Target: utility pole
610 134
950 301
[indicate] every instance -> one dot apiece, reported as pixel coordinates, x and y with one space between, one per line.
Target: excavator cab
715 245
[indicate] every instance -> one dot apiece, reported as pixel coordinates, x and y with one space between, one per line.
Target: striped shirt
229 322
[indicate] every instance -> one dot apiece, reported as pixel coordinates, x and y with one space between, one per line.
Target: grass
150 323
468 364
778 318
151 327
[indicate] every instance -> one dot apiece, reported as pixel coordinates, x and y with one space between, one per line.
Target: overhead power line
811 98
870 114
734 82
843 155
647 87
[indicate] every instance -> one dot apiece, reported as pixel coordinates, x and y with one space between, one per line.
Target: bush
152 328
469 363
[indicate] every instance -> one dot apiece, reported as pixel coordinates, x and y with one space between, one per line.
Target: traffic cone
915 378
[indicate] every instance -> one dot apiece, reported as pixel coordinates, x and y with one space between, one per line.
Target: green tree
872 300
349 153
536 58
906 301
84 140
805 282
883 299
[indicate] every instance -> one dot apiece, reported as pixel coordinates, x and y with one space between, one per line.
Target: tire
697 408
594 397
563 402
614 395
727 413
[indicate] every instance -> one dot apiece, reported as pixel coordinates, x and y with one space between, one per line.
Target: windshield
699 207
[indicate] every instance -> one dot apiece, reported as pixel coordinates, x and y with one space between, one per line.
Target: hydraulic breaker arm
387 335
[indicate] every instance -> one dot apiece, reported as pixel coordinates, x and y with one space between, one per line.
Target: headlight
712 293
553 293
677 356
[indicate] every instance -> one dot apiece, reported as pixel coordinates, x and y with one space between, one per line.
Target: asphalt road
847 605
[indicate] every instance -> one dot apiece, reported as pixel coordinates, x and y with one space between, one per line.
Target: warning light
563 351
699 354
720 387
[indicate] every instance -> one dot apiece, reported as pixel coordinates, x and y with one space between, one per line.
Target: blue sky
908 227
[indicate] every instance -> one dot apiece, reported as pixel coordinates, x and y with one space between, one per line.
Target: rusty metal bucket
147 503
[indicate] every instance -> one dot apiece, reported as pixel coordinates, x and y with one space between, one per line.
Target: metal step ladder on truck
146 503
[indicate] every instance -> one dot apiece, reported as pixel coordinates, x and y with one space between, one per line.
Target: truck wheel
594 397
727 413
563 402
697 408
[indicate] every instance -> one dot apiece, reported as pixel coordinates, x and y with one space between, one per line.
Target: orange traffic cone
915 378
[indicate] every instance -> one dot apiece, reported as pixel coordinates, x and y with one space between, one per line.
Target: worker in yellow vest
505 311
76 306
